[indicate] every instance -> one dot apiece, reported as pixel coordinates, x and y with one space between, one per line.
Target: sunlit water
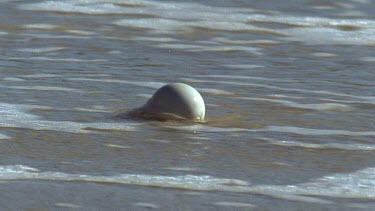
289 91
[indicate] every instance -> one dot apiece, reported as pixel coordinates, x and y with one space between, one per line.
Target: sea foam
313 106
357 184
280 129
2 136
13 115
338 146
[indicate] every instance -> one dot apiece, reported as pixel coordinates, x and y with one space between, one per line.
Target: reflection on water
288 90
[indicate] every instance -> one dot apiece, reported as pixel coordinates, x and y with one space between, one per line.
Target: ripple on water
215 91
368 59
74 7
81 32
42 58
324 55
234 204
183 169
115 146
2 136
43 26
358 98
14 79
313 106
13 115
173 18
349 146
41 75
44 88
244 42
317 132
280 129
243 66
67 205
42 50
154 85
209 48
357 184
147 205
243 77
331 36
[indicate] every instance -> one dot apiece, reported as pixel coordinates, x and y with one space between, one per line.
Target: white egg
174 101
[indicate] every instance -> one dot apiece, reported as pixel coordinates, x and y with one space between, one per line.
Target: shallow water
289 97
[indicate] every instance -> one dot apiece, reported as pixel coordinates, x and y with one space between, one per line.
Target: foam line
366 99
135 83
41 50
347 185
281 129
42 58
317 132
351 146
43 88
313 106
12 115
2 136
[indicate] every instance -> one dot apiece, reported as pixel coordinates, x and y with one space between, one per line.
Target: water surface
289 97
